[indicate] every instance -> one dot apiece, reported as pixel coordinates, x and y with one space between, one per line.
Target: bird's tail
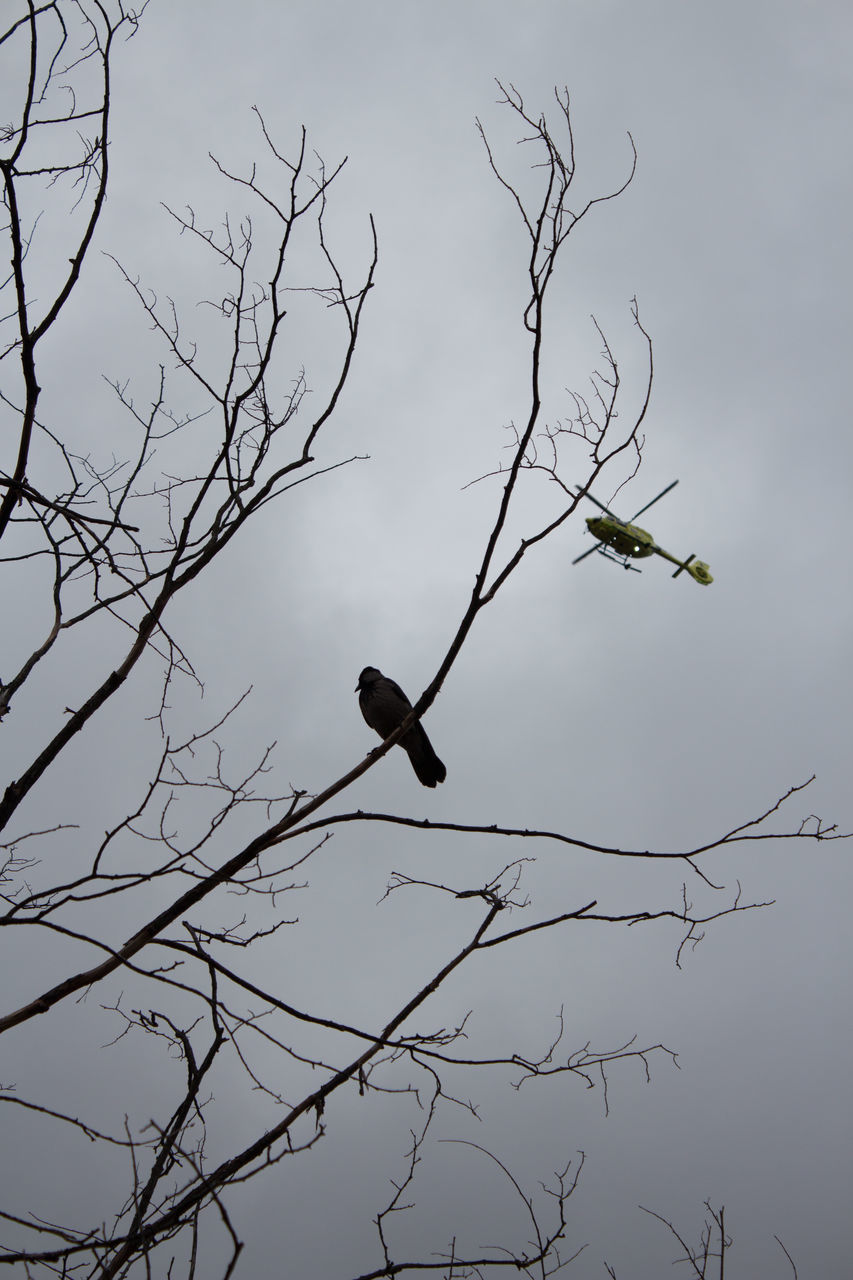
425 762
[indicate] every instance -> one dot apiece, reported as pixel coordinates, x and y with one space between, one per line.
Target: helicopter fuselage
625 539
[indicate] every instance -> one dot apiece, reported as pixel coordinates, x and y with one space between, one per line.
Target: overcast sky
617 707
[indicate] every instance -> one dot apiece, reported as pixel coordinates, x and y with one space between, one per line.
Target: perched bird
384 706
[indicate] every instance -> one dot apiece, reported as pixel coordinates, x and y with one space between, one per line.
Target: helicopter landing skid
623 560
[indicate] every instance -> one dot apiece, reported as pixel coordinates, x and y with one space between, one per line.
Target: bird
384 706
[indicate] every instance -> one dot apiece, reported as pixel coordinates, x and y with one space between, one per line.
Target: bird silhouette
385 706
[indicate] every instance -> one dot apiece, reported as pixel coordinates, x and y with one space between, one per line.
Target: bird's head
368 677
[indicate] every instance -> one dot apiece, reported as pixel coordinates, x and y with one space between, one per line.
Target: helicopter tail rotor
697 569
700 573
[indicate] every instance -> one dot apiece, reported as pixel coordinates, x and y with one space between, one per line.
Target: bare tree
108 545
707 1259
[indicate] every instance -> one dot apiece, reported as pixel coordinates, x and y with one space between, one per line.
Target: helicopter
623 541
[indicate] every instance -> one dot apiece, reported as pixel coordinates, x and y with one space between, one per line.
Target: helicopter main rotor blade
597 547
653 501
584 494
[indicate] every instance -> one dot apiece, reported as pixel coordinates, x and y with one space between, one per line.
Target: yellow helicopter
623 541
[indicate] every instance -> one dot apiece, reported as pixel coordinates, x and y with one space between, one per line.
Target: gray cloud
619 707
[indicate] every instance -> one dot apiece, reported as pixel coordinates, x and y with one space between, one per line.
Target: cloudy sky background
621 708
